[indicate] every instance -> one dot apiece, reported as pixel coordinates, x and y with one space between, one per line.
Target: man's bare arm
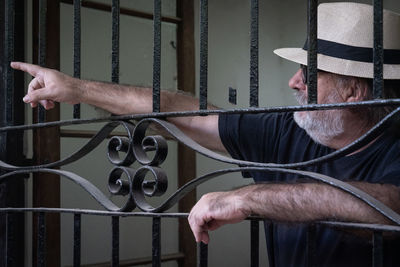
49 86
303 202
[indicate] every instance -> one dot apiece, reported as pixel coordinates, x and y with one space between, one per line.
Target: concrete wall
282 24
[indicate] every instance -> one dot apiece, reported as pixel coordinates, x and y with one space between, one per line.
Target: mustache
301 97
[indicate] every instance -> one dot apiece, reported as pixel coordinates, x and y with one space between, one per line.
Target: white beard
321 125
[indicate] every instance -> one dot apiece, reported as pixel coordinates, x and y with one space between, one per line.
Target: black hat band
354 53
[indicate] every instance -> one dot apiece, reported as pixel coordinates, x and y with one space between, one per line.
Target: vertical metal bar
157 56
311 245
77 50
255 242
115 11
270 245
254 54
9 240
312 14
115 241
77 240
377 249
156 248
12 14
41 252
9 56
378 48
203 259
203 53
42 48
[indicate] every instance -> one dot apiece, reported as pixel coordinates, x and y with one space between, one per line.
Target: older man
345 72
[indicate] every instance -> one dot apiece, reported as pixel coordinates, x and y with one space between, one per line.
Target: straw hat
345 41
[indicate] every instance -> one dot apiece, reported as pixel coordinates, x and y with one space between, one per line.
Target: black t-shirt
276 138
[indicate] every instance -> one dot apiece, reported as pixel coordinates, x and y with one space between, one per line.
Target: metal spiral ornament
123 187
118 145
142 188
143 144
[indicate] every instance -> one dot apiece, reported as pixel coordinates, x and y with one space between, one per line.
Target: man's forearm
312 201
123 99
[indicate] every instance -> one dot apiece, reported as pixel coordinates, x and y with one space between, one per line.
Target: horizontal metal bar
372 227
97 212
86 134
139 261
124 11
374 103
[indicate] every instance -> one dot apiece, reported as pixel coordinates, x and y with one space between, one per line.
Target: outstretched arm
49 86
303 202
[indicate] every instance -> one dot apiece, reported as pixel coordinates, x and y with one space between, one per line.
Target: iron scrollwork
137 147
151 151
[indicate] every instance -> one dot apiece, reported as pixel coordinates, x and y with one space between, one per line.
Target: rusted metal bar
311 245
139 261
124 11
12 28
270 246
254 243
312 44
203 257
42 48
9 56
378 50
115 241
8 261
157 55
77 50
254 54
203 53
115 11
377 249
156 244
77 239
46 186
41 247
370 103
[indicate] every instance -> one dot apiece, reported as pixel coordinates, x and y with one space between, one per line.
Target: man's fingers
36 83
29 68
38 96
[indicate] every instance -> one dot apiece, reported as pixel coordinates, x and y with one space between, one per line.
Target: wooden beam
186 157
46 187
124 11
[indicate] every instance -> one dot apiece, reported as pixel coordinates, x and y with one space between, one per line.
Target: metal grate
136 188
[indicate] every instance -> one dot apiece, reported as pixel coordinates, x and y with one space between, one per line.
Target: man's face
322 125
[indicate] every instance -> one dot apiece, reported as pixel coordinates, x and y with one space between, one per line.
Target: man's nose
296 82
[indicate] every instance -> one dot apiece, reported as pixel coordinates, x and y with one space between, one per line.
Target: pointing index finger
26 67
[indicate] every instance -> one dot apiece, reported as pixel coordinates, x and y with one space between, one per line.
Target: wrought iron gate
135 145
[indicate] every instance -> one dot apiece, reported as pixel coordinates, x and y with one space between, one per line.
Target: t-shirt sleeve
251 137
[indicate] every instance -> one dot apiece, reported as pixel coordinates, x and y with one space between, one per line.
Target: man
345 64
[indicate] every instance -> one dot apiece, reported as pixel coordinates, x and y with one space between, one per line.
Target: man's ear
357 91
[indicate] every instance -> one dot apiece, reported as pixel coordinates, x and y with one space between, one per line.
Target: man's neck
354 128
